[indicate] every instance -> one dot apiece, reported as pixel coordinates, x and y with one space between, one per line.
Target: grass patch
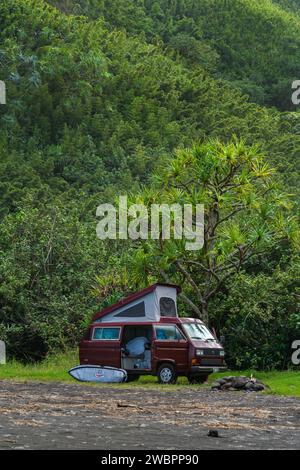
55 369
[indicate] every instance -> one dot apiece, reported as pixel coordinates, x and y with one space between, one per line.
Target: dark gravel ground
66 416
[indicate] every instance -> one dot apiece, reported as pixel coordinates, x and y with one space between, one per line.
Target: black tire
132 378
197 379
166 374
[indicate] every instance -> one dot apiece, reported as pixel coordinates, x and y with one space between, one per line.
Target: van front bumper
202 369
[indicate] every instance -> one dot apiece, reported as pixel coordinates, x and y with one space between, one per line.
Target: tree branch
191 281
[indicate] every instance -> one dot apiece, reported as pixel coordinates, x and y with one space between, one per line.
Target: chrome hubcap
166 374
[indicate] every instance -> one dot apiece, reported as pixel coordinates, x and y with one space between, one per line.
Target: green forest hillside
252 43
289 5
100 93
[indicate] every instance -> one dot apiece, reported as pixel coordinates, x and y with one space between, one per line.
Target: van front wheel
166 374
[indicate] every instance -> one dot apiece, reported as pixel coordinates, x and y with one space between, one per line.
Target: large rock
258 387
216 386
226 385
221 381
238 383
249 385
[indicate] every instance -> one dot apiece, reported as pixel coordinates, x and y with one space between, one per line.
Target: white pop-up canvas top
150 304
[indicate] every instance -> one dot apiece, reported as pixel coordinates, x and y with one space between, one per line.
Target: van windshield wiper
203 339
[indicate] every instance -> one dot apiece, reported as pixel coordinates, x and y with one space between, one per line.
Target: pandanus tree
245 214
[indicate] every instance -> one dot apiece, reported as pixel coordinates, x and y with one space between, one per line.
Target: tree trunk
204 312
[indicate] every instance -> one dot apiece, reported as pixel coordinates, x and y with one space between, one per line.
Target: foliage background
100 92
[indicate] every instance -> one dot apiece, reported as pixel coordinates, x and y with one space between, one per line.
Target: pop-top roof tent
150 304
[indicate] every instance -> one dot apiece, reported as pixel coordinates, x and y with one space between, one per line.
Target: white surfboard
101 374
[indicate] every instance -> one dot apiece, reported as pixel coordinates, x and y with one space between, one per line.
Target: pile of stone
248 384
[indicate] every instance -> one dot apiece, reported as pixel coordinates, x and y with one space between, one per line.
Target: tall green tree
246 214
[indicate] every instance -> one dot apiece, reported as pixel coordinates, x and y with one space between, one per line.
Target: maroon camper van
144 335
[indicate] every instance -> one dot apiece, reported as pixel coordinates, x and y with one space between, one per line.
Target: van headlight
222 353
199 352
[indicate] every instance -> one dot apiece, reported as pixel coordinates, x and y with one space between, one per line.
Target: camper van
144 335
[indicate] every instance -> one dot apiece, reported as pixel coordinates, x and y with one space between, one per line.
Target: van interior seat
142 357
133 356
132 332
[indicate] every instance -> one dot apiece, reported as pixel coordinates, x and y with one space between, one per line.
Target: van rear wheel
167 374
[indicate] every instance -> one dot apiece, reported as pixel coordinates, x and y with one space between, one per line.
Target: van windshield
198 331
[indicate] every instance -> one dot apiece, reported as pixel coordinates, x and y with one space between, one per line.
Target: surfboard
101 374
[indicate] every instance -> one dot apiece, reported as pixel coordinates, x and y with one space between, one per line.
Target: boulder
249 385
221 381
228 379
226 385
238 383
258 387
216 386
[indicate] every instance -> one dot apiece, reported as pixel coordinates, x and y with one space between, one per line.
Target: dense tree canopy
252 43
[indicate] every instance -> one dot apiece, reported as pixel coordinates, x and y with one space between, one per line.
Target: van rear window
109 333
167 307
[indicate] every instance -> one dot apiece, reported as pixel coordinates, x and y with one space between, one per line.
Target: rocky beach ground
65 416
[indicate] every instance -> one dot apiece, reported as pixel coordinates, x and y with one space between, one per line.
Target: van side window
106 333
132 312
168 333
